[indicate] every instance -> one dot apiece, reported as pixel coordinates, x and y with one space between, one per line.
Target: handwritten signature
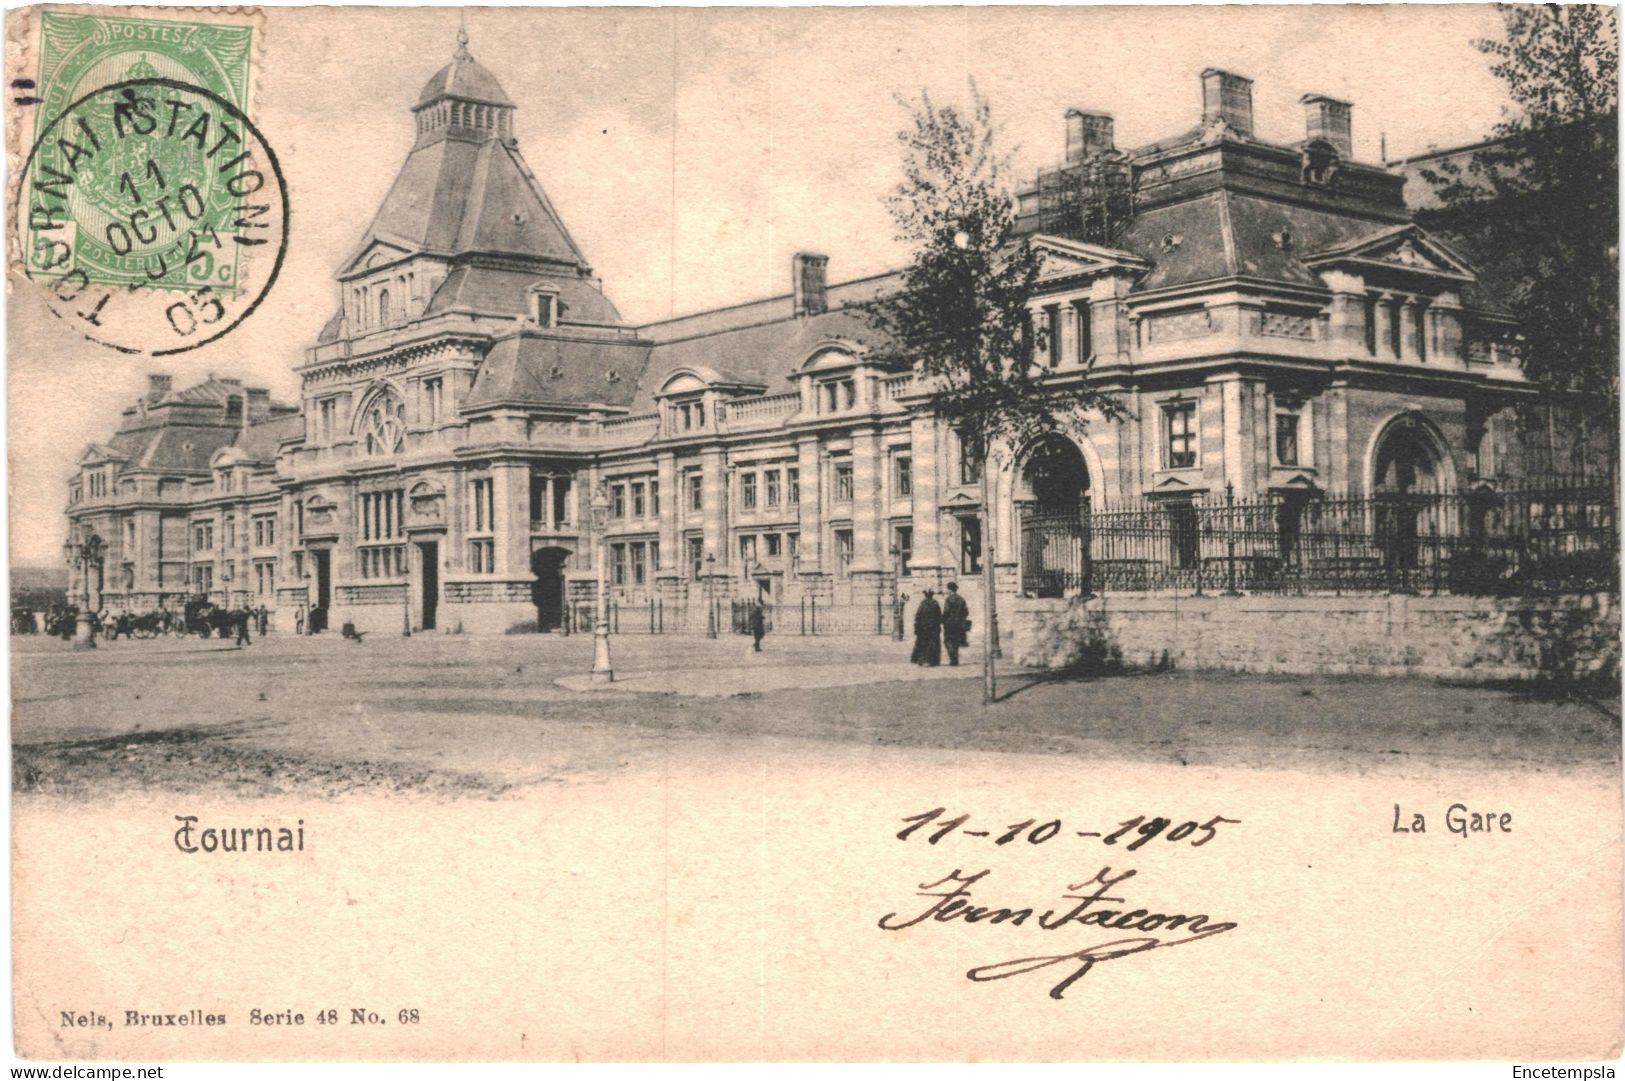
952 902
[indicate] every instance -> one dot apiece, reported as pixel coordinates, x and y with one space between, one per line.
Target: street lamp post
602 672
82 555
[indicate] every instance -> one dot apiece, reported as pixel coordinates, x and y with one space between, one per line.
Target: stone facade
1271 317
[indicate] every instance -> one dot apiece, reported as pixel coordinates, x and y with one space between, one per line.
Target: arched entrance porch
1052 502
1410 468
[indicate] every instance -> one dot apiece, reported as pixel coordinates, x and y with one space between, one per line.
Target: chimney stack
807 284
1330 120
1229 97
1087 134
158 385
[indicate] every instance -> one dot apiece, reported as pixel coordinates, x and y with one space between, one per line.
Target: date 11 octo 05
1142 828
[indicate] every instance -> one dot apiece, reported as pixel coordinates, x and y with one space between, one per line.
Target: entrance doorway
548 590
429 577
1054 503
323 558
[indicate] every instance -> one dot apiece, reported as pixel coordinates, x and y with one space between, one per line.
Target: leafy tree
1539 203
961 319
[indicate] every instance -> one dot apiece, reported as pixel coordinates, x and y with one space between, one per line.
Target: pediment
1299 482
1407 248
1060 258
100 454
374 252
1173 484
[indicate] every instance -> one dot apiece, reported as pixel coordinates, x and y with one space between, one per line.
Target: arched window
383 307
383 425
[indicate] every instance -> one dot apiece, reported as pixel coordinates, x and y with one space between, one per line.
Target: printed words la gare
1458 819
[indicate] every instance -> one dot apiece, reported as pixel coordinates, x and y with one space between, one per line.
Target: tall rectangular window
903 474
481 555
902 542
970 544
1179 434
617 564
481 496
792 550
792 487
970 462
696 557
640 506
1286 437
383 520
747 553
654 498
639 568
747 491
561 502
770 487
617 500
696 491
1086 331
843 552
843 482
1052 334
433 390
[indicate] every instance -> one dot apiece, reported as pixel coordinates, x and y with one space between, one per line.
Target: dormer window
835 395
544 307
690 415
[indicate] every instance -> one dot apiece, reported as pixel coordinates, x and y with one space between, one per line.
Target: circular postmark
153 214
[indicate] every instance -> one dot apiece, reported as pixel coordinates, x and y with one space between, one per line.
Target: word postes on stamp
150 208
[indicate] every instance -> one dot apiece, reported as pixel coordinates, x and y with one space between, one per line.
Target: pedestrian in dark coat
955 622
241 619
758 622
927 632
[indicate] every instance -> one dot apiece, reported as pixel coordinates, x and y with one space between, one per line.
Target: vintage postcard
814 534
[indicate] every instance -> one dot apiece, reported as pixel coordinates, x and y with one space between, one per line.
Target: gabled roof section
1062 259
1406 248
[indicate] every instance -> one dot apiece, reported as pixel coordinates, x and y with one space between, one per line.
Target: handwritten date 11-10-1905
1142 829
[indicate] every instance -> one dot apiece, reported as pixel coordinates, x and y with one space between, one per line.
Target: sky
692 152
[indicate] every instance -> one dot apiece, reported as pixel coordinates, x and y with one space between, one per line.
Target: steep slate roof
764 353
494 291
1227 234
454 196
520 369
260 442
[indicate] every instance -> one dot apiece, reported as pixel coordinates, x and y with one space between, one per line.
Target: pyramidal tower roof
464 189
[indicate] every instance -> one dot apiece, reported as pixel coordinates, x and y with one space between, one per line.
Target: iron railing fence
1484 541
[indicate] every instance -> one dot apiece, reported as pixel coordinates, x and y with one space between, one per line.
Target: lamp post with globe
602 672
83 555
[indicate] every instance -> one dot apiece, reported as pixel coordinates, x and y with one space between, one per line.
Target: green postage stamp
146 178
83 53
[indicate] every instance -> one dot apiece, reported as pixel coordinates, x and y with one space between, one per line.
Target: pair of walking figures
937 625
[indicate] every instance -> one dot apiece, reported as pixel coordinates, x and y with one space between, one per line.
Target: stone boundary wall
1468 638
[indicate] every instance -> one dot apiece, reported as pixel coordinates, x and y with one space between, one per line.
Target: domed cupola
463 101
